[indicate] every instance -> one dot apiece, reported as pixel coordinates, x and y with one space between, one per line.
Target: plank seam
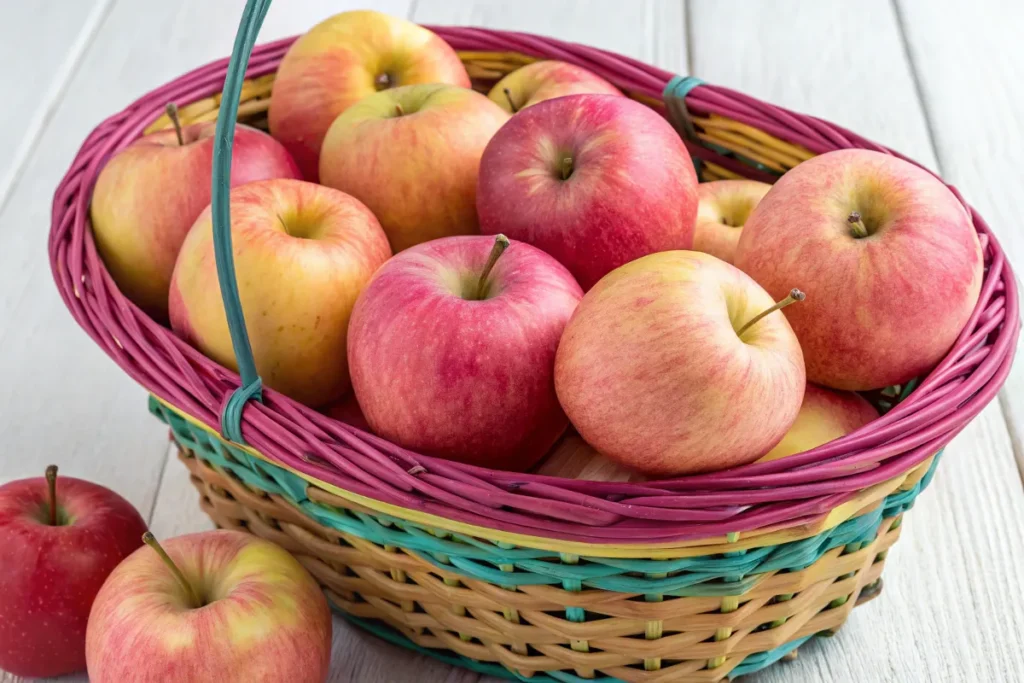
916 80
688 36
168 452
54 96
1015 437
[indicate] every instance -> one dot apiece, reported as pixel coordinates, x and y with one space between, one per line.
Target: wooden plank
845 62
651 30
969 71
40 45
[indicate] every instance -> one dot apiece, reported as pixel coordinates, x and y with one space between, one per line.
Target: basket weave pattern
527 576
532 611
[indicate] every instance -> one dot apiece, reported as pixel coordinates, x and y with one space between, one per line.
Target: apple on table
594 180
340 61
545 80
59 539
678 363
303 253
724 207
150 193
220 606
412 155
452 349
889 254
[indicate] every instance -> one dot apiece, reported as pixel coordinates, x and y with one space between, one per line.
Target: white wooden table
940 80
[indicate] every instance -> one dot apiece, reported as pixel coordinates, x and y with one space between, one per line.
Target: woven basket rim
775 493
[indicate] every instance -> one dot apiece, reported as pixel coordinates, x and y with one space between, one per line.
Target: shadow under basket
533 614
524 576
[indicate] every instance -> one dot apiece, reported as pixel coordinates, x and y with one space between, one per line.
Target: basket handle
252 386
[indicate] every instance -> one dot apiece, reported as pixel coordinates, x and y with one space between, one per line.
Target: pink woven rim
784 492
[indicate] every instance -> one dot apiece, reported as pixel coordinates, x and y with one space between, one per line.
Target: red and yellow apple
545 80
452 348
59 540
668 366
150 193
825 415
340 61
594 180
723 209
303 253
412 154
888 254
221 606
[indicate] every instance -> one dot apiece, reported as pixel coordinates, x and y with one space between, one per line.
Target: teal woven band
248 29
231 416
674 94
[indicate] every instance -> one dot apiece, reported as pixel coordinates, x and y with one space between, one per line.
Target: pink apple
340 61
454 359
303 253
887 254
150 193
59 539
594 180
666 369
723 209
222 606
412 154
825 415
545 80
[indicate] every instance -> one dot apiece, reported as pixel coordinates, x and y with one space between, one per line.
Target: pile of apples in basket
481 271
468 275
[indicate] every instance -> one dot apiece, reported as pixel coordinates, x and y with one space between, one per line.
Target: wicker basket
701 578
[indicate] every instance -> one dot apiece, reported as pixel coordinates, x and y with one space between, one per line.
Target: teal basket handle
252 386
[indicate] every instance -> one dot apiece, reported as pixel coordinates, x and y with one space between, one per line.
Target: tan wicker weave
436 609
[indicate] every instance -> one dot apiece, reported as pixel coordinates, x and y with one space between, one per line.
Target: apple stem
399 110
857 224
51 482
149 539
500 245
511 102
382 81
172 114
794 296
566 168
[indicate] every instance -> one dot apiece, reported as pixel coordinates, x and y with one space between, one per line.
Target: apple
303 253
412 154
150 193
888 253
545 80
452 349
340 61
215 606
594 180
58 543
723 209
678 363
574 458
824 416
